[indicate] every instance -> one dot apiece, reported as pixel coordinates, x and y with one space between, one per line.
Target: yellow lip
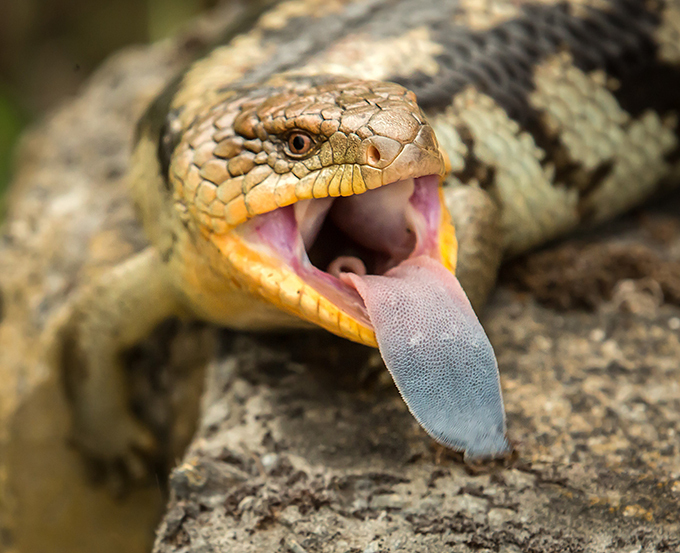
266 277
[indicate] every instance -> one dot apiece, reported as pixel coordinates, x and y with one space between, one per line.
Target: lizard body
539 116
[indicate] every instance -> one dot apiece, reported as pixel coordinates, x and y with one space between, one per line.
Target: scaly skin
544 120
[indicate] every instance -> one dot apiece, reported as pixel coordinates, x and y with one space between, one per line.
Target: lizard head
323 196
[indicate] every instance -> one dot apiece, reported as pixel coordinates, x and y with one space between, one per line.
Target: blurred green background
48 47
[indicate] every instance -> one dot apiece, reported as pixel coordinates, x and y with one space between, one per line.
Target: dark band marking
166 254
475 169
167 142
303 37
155 126
655 87
156 123
501 62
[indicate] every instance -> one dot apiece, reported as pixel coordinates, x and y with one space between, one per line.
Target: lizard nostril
380 151
373 155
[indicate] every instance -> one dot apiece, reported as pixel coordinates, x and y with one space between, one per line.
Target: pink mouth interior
370 233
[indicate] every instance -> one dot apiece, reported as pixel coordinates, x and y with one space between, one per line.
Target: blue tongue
438 354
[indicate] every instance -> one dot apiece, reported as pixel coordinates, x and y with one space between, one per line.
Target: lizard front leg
476 218
109 316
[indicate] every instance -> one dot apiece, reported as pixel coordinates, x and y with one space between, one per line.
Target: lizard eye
299 143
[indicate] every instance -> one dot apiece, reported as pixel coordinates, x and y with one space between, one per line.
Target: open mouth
381 262
323 240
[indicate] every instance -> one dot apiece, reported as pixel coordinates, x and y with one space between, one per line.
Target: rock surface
304 444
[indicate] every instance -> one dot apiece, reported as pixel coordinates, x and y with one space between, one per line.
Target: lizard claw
119 453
